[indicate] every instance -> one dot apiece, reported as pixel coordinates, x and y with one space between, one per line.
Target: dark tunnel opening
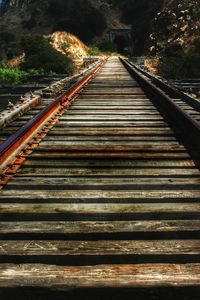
121 43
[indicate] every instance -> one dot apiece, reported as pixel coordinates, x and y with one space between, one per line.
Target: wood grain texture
135 209
99 248
102 276
85 227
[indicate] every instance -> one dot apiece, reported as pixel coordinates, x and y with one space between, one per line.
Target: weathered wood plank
109 106
100 143
107 113
84 227
92 171
67 143
99 248
110 164
110 123
99 208
46 181
107 118
99 194
94 131
102 276
134 148
124 139
117 154
139 129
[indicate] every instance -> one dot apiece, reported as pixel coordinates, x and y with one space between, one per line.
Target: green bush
36 72
193 65
7 37
12 76
65 45
107 46
176 63
14 50
139 13
93 50
2 51
79 17
41 55
9 48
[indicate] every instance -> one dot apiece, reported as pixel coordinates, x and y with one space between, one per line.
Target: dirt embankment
69 45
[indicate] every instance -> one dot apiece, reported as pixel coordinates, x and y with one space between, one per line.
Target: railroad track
106 192
36 83
188 85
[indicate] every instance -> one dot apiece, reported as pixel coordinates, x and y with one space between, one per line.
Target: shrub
33 44
8 46
12 76
65 45
193 65
81 19
107 46
7 37
36 72
93 50
40 54
2 50
14 50
30 24
139 13
176 63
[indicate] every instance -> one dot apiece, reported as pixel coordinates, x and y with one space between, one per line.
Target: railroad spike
23 99
10 105
32 95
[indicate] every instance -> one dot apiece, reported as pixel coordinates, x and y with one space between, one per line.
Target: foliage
12 76
177 63
107 46
17 76
33 44
2 50
41 55
32 21
104 46
65 45
93 50
82 19
7 37
139 13
9 48
36 72
14 50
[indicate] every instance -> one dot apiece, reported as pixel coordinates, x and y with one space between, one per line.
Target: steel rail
170 89
17 139
180 117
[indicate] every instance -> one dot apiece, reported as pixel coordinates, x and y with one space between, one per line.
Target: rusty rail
20 137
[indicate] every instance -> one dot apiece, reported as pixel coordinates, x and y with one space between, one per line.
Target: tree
81 19
139 13
41 55
177 63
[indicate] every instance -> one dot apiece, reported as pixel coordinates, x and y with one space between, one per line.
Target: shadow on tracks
189 293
